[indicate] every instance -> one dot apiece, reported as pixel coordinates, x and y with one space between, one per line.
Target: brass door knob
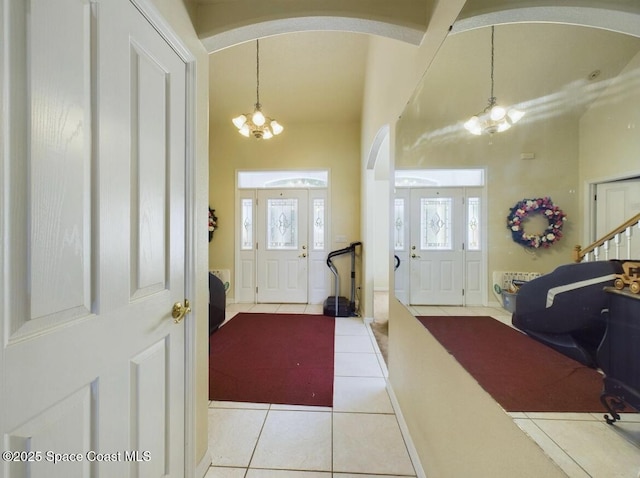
179 311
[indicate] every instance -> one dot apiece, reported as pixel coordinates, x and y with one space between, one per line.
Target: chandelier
494 118
256 124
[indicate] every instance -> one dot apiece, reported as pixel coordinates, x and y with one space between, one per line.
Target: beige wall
609 136
333 146
509 179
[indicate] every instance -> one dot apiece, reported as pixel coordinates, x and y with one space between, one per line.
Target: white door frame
245 282
482 295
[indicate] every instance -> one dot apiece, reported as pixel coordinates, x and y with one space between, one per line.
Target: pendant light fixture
256 124
494 118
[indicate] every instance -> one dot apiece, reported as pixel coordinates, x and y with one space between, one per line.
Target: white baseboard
413 453
203 466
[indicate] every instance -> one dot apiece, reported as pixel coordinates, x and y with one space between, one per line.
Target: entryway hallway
360 436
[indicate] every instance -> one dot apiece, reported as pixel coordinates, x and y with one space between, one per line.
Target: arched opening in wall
377 210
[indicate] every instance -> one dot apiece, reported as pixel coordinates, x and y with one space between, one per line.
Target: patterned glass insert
282 224
247 225
473 225
318 224
435 224
399 225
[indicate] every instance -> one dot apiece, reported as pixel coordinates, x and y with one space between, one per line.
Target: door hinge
256 290
595 197
463 292
463 246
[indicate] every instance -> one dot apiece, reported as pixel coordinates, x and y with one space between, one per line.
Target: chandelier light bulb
473 126
515 115
239 121
258 118
276 127
267 134
245 130
497 113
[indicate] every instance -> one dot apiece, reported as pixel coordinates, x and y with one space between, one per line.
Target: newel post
576 253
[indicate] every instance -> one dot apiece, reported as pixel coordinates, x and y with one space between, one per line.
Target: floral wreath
527 207
213 223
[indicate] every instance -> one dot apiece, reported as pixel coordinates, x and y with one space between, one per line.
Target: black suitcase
217 303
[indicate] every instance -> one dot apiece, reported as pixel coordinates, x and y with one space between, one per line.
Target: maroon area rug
273 358
522 375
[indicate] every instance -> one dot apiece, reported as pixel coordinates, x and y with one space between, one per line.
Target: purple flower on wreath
527 207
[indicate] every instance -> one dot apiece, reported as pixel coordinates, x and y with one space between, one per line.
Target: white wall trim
413 452
203 467
607 19
242 34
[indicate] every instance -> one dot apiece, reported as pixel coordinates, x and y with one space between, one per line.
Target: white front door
616 203
436 253
283 254
93 251
401 263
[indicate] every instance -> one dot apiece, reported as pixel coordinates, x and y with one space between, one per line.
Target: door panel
93 361
436 253
617 202
282 256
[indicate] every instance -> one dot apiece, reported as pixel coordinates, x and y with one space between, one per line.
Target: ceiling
319 76
304 77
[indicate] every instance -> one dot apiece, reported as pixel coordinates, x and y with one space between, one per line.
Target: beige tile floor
360 437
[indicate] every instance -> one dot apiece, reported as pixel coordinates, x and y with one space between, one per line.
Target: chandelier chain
258 73
492 98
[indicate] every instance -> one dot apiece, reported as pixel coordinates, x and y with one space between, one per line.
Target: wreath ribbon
527 207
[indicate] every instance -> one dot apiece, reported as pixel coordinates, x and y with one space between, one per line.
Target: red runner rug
273 358
521 374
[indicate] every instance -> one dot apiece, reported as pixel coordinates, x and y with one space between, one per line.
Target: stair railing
603 245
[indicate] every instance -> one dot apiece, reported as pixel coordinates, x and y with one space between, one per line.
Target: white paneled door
93 242
436 252
616 203
283 253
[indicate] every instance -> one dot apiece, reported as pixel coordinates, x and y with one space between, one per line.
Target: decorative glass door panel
318 224
399 224
282 224
435 224
282 252
473 224
247 225
401 263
